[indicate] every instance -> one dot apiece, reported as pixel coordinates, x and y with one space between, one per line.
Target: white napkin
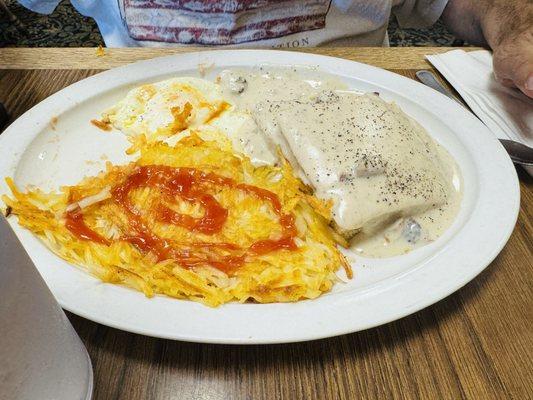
507 112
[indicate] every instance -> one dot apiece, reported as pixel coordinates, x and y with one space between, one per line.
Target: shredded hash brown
278 276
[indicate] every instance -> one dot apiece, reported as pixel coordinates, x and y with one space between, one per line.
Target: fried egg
162 109
172 109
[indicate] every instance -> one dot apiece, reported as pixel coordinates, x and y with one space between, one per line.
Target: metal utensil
519 153
428 78
42 356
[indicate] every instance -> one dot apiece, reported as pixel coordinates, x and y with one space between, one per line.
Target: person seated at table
505 25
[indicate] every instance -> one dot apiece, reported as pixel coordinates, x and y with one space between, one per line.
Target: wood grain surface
86 58
475 344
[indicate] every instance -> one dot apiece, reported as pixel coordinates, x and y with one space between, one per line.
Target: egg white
147 110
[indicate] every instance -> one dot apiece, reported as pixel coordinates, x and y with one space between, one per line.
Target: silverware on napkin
519 153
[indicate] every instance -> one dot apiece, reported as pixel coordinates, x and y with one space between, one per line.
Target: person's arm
507 27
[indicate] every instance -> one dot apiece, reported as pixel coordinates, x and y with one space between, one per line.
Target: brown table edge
88 58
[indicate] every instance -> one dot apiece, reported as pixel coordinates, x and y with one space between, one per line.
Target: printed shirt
249 23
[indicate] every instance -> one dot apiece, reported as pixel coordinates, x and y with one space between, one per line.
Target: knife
429 79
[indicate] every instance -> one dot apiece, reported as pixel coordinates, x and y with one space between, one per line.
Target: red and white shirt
249 23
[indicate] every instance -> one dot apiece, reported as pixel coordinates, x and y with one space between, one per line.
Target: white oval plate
38 150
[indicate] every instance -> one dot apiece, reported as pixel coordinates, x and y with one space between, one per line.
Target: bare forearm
488 21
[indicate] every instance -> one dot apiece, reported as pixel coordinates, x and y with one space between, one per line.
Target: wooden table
477 343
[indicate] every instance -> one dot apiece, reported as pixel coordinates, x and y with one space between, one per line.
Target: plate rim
32 115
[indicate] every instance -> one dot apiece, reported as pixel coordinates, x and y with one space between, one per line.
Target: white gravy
393 187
